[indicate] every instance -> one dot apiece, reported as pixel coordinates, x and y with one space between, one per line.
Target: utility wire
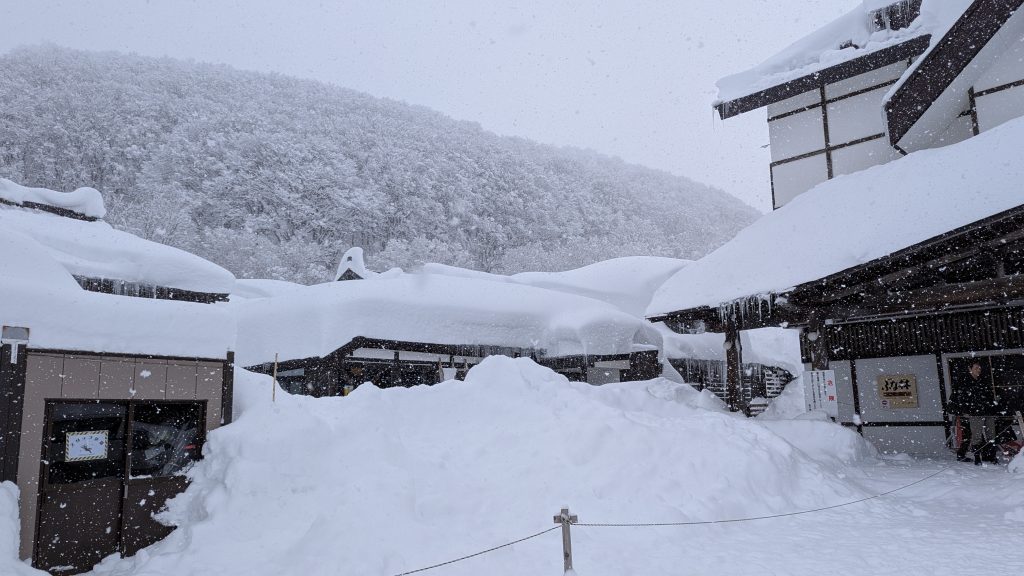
481 553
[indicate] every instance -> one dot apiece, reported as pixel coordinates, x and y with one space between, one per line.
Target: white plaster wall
797 134
793 178
928 383
999 107
795 103
864 155
915 440
866 80
856 117
844 390
959 130
1009 67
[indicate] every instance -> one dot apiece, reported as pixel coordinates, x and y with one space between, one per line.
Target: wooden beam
734 368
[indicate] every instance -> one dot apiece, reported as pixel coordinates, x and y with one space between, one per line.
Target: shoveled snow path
965 520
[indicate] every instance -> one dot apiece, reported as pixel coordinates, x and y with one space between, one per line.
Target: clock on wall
83 446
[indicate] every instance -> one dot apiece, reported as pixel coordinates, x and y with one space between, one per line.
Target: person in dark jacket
974 401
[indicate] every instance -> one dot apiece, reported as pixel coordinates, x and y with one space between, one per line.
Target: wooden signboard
898 391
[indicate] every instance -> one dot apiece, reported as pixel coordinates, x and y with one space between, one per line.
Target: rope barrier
481 553
786 514
701 522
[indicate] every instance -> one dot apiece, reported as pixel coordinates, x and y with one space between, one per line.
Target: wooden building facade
392 363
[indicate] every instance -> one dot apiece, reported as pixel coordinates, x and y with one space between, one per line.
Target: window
166 438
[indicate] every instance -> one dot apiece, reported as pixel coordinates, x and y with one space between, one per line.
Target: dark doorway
106 468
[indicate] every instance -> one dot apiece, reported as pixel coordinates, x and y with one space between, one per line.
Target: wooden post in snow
566 519
273 386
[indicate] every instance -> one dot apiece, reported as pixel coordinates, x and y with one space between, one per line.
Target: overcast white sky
633 78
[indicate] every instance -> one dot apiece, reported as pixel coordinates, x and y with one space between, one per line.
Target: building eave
903 51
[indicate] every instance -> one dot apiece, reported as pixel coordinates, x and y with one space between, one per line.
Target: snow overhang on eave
903 51
930 93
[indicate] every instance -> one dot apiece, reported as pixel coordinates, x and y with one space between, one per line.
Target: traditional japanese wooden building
897 274
886 79
106 395
399 329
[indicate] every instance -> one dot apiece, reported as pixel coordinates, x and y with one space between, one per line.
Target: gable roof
855 219
847 47
935 87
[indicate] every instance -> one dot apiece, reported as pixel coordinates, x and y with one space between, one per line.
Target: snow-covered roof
85 201
934 90
36 291
824 49
436 309
352 267
247 288
94 249
628 283
856 218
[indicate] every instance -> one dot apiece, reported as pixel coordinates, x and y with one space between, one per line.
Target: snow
353 260
627 283
96 250
387 481
856 218
36 291
401 479
85 201
248 288
431 308
820 49
9 530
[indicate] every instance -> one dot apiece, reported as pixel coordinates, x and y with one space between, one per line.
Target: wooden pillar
817 344
733 367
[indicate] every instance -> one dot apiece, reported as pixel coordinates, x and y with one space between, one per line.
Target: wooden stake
566 520
273 387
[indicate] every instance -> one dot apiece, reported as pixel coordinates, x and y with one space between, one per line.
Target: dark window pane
166 438
86 442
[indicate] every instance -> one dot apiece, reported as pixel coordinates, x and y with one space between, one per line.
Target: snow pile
857 218
96 250
353 260
248 289
1017 466
9 529
821 49
85 201
429 308
386 481
626 283
37 292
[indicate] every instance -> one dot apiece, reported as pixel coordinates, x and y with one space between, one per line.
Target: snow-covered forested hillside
274 177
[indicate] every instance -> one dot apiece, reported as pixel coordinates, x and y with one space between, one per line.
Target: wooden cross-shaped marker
566 519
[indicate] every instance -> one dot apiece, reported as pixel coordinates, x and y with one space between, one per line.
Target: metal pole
566 520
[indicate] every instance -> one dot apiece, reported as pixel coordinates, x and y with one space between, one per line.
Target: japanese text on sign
898 391
820 391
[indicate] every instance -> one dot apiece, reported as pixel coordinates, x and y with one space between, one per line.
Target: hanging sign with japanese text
898 391
820 391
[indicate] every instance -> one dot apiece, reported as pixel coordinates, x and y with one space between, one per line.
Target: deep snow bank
386 481
9 527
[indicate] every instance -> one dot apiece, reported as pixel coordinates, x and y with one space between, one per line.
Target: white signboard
83 446
820 391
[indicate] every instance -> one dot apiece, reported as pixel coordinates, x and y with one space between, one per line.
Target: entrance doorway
106 468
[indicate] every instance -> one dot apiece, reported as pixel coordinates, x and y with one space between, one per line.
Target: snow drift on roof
96 250
628 283
430 308
821 49
37 292
856 218
85 201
